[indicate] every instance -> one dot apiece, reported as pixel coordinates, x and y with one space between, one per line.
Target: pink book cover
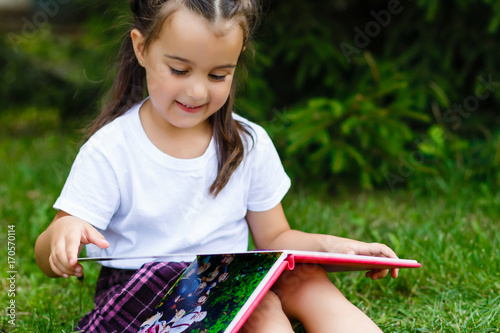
218 292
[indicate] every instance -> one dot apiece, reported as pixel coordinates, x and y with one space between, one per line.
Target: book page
213 292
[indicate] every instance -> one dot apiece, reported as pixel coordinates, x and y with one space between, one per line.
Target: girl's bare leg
308 295
268 317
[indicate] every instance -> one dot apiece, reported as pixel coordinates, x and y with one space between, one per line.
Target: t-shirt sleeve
91 191
269 182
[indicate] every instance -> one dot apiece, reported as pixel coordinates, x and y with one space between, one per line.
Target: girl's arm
270 230
58 247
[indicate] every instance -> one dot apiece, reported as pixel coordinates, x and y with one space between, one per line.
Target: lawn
453 234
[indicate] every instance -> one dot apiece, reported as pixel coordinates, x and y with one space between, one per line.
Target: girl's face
189 68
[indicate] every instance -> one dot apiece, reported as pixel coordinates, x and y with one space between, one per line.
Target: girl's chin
186 123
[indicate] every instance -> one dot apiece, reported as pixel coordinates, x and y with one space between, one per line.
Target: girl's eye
177 72
218 77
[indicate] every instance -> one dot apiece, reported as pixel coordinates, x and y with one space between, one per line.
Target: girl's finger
59 255
388 252
96 238
55 268
372 274
377 274
72 247
380 274
61 261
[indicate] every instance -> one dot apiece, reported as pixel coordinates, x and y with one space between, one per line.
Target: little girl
179 172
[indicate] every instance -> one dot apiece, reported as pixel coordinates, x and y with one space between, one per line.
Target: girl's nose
198 90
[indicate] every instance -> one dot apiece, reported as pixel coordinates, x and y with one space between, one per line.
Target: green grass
454 235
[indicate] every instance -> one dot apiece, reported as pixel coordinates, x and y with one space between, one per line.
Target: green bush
358 85
361 136
454 162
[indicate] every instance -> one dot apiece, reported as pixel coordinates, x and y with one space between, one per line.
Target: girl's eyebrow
174 57
179 58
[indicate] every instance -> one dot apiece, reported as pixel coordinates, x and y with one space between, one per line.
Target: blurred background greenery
398 96
364 93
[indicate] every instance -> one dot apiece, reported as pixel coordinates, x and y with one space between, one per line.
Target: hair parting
129 86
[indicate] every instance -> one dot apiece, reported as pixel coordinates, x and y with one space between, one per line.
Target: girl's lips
189 108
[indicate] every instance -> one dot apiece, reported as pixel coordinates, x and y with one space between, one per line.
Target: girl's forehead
188 25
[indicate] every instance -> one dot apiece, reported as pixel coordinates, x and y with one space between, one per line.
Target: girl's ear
138 42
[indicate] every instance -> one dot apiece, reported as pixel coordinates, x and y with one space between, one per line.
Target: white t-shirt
146 202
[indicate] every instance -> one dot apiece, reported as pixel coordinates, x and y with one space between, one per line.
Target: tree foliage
359 85
351 89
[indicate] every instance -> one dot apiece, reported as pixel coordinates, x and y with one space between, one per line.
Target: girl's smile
189 108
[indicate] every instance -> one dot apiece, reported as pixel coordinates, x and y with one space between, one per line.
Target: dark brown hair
129 85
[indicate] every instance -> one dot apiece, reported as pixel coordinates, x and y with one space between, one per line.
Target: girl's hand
350 246
68 236
58 247
377 250
270 230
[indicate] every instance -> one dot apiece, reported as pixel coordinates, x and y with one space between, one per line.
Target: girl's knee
301 278
303 288
268 316
270 301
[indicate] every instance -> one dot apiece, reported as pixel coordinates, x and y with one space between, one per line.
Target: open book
218 292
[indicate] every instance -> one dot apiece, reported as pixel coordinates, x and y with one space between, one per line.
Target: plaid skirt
124 299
